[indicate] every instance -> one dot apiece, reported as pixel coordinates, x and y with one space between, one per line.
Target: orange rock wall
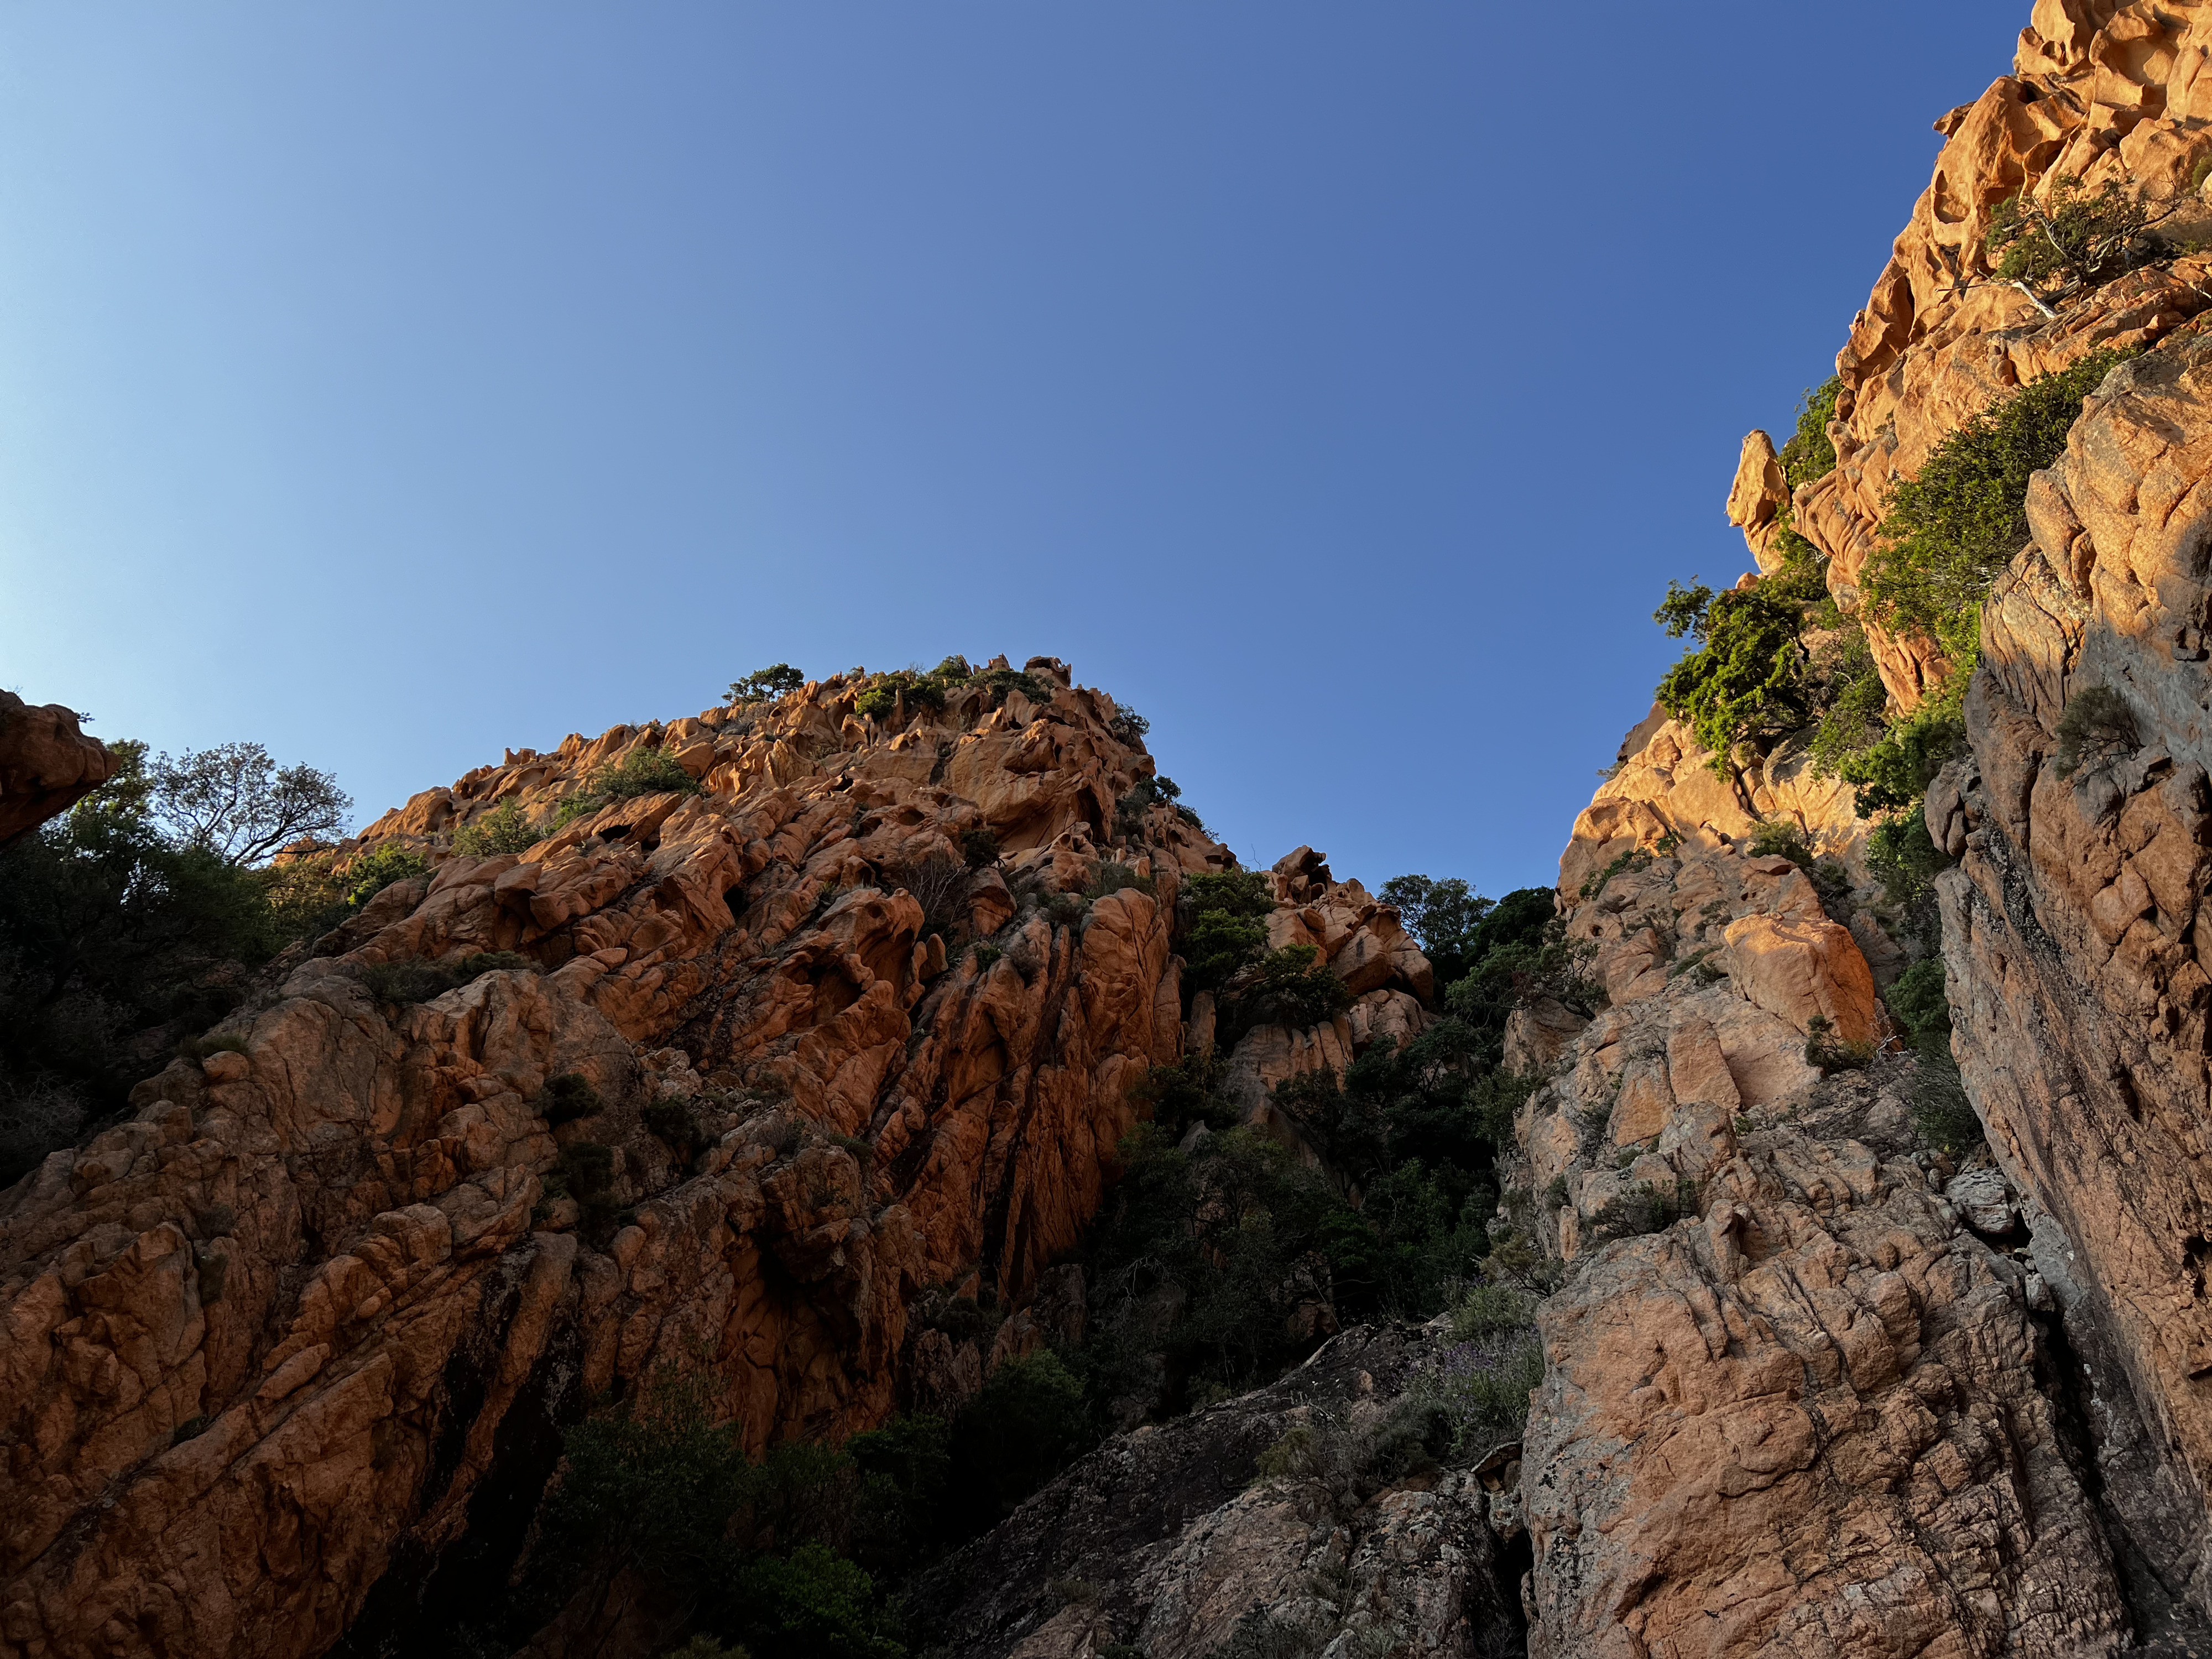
314 1314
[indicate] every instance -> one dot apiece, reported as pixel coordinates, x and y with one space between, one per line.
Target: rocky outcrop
1170 1539
1793 1401
46 764
2099 92
297 1339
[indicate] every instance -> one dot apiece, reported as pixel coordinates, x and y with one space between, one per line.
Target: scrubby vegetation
1956 524
900 694
647 769
2096 728
506 829
1255 1249
767 1554
138 918
2075 239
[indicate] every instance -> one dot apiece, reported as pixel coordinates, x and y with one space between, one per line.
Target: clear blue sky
1339 386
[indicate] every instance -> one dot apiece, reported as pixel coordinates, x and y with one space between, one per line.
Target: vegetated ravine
862 1172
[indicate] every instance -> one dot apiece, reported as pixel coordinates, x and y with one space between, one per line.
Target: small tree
2097 728
1746 677
234 801
2073 240
767 685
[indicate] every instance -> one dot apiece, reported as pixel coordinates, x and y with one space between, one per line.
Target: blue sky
1337 385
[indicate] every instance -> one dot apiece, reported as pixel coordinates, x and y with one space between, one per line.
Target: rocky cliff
695 1077
1861 1398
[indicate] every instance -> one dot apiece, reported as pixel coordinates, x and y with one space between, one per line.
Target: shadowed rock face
317 1311
1172 1538
46 765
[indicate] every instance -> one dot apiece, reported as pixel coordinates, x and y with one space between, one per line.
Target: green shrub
1486 1309
1444 917
881 701
1002 681
643 771
1906 859
979 846
1144 795
1345 1129
1892 771
1183 1094
1643 1207
2074 239
1829 1051
1128 726
589 1170
767 685
1513 973
1065 909
1847 689
1028 1423
1481 1386
813 1604
662 1489
371 874
405 981
1291 987
910 1459
2097 728
646 769
1227 931
1746 678
985 955
673 1122
1780 836
567 1097
706 1647
1953 528
1942 1116
1920 1004
119 937
1808 456
506 829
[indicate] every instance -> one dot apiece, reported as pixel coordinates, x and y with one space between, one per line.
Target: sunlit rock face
320 1307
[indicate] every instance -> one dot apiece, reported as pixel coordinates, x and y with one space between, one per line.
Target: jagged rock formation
306 1327
46 764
